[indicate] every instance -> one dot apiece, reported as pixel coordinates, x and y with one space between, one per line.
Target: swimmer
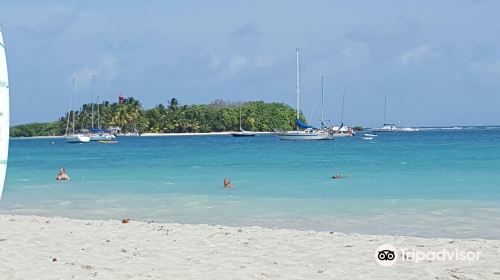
227 183
337 176
62 176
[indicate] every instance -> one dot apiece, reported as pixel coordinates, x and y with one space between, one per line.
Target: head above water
227 183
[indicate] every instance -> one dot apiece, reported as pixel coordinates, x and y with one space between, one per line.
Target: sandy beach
33 247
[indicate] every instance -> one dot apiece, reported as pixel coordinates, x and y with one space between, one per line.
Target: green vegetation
172 117
36 129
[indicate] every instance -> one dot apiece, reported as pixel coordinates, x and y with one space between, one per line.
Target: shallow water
432 183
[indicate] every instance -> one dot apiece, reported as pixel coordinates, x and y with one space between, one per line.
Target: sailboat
309 132
97 134
387 127
74 137
4 113
342 130
243 133
405 129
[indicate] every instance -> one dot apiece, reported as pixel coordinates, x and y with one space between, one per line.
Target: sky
438 60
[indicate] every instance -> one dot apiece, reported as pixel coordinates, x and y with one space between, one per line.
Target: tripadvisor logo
387 255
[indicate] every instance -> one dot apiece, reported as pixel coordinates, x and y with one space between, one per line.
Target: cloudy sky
441 57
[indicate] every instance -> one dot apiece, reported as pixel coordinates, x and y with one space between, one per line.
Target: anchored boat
309 132
74 137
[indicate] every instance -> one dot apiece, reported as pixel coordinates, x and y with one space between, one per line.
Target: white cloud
214 62
416 55
105 70
237 63
264 61
355 54
486 67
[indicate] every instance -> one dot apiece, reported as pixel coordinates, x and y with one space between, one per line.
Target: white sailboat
392 127
309 132
101 136
97 134
74 137
242 132
4 113
342 130
387 127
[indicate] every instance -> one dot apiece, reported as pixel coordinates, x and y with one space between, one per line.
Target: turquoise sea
436 183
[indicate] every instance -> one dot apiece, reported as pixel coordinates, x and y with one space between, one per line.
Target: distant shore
60 248
39 137
196 134
148 134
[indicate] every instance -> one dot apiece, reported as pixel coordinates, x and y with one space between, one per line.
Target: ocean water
435 183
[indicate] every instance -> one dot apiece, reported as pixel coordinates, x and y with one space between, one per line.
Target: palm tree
173 104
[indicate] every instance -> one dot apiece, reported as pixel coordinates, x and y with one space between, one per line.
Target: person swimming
62 176
337 176
227 183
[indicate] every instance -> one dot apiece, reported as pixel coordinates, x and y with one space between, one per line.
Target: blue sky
443 57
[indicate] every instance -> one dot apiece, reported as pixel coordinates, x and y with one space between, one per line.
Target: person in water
62 176
337 176
227 183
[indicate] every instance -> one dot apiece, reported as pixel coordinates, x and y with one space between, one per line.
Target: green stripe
1 44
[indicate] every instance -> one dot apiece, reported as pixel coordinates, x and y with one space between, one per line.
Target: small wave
64 203
451 128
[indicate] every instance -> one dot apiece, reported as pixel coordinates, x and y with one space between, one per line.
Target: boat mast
92 97
322 102
98 114
73 105
342 115
69 110
240 119
401 113
385 105
297 89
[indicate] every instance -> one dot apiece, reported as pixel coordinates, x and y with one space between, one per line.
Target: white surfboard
4 113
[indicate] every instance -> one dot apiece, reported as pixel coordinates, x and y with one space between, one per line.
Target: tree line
130 116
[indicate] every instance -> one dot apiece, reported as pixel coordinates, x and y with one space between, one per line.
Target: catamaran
388 127
4 113
243 133
74 137
309 132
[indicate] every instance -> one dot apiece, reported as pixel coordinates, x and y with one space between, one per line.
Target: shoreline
55 247
224 133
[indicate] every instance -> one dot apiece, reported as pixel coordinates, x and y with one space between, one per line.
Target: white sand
140 250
